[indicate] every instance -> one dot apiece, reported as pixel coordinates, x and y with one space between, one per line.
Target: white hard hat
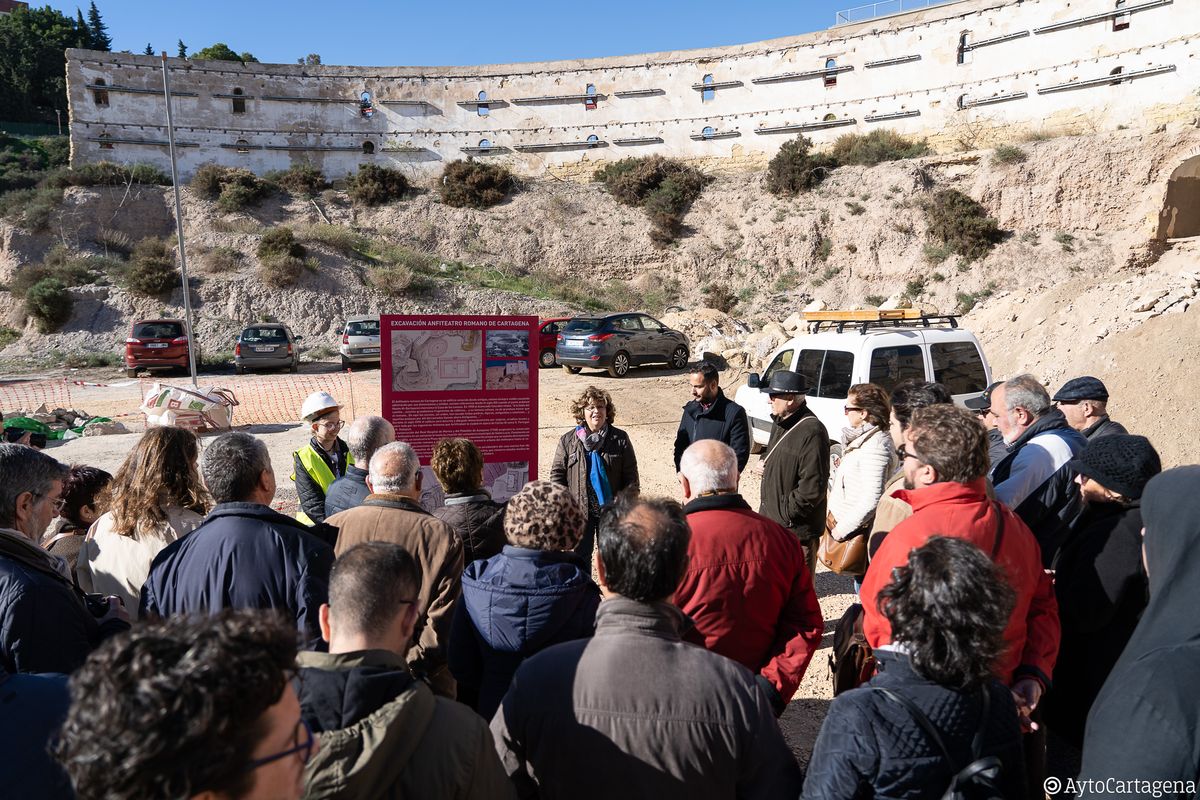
315 403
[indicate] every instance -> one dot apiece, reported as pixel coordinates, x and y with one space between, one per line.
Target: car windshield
583 325
157 330
366 328
264 336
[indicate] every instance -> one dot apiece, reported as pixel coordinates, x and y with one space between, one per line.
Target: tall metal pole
183 273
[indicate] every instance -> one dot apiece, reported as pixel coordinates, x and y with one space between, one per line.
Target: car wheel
131 373
620 365
547 358
571 370
679 357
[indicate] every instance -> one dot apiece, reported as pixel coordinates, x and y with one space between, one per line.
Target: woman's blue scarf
597 473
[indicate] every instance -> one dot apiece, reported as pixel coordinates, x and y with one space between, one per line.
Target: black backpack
979 779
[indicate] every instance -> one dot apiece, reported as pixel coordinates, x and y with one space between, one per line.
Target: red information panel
474 377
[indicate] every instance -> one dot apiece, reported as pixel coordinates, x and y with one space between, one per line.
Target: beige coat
112 563
439 553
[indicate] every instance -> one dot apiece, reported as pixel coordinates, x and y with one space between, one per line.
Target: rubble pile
62 423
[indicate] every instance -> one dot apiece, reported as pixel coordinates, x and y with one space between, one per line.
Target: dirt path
648 408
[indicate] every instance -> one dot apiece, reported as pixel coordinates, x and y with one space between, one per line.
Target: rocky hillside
1072 288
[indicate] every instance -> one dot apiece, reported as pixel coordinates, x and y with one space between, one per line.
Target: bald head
708 465
395 470
366 435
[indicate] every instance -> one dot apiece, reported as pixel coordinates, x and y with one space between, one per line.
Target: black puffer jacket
1101 589
724 421
870 746
478 520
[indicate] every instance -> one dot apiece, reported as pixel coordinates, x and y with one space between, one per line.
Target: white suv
839 353
360 341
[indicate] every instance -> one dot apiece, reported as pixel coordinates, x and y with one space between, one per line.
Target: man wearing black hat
1083 402
982 406
795 478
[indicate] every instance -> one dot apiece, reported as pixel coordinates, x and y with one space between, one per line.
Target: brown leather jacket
439 552
570 465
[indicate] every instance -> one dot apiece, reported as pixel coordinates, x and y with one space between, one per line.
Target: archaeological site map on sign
464 376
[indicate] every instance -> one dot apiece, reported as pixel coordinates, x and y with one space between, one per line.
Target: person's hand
1027 693
116 610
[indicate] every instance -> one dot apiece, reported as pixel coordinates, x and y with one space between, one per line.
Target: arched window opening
831 76
1118 71
482 107
242 146
590 101
100 96
963 101
707 94
365 109
964 48
1121 21
593 140
829 117
239 102
106 142
708 132
485 144
368 148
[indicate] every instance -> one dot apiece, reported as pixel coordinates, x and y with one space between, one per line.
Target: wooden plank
873 315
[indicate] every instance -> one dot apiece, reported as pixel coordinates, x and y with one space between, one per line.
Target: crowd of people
1024 626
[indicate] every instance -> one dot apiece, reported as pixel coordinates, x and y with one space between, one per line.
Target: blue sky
447 33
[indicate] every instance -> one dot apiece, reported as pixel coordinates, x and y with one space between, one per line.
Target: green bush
337 237
49 303
106 173
961 224
23 162
31 209
8 336
59 264
394 280
665 188
474 184
1008 154
373 185
233 188
876 147
280 241
874 300
151 269
219 260
301 180
794 169
968 300
936 253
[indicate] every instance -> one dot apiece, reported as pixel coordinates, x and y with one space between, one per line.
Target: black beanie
1121 463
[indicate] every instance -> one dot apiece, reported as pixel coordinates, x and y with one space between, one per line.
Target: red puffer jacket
748 591
964 511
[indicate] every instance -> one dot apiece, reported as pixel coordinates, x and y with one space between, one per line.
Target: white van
880 347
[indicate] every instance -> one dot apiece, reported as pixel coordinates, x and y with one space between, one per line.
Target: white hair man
1034 479
392 513
747 586
364 436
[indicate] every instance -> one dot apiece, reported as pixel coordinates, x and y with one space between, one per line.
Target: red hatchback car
548 340
157 344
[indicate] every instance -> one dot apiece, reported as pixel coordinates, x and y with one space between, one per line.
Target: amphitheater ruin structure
964 74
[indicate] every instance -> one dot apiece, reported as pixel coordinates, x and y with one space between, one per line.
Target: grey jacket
636 713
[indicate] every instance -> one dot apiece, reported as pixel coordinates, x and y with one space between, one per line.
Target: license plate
157 345
264 349
370 351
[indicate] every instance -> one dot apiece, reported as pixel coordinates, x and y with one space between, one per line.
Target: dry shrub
473 184
220 260
281 257
151 269
49 303
373 185
301 180
876 147
961 224
664 188
794 169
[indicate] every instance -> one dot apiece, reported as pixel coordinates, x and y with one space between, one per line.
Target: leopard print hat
544 516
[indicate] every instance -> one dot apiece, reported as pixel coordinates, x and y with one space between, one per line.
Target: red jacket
748 591
965 512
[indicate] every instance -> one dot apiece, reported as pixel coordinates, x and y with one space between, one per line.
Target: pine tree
85 36
182 49
149 49
99 31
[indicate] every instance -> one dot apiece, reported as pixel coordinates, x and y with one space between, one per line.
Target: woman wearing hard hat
323 460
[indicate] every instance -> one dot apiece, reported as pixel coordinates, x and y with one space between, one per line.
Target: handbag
845 557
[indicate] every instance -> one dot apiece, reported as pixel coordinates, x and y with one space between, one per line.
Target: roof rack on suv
881 318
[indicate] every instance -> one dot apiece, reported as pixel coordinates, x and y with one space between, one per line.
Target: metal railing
883 9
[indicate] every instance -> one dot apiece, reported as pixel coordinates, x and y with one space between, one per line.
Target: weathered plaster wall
424 116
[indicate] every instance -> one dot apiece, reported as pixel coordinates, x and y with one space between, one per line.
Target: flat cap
1085 388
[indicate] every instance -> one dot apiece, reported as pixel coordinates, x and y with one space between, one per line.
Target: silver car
360 341
268 345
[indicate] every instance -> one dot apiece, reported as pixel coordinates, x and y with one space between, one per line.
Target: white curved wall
426 116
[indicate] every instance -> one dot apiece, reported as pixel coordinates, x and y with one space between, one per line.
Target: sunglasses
902 451
848 409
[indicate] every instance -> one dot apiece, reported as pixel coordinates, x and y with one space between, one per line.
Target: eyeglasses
305 748
848 409
337 426
59 505
902 451
1067 402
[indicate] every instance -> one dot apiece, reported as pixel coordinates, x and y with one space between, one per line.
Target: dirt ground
648 407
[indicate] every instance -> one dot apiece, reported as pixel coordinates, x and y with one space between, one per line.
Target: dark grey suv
617 342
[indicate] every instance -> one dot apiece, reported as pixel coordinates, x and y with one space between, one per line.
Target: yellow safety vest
318 470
